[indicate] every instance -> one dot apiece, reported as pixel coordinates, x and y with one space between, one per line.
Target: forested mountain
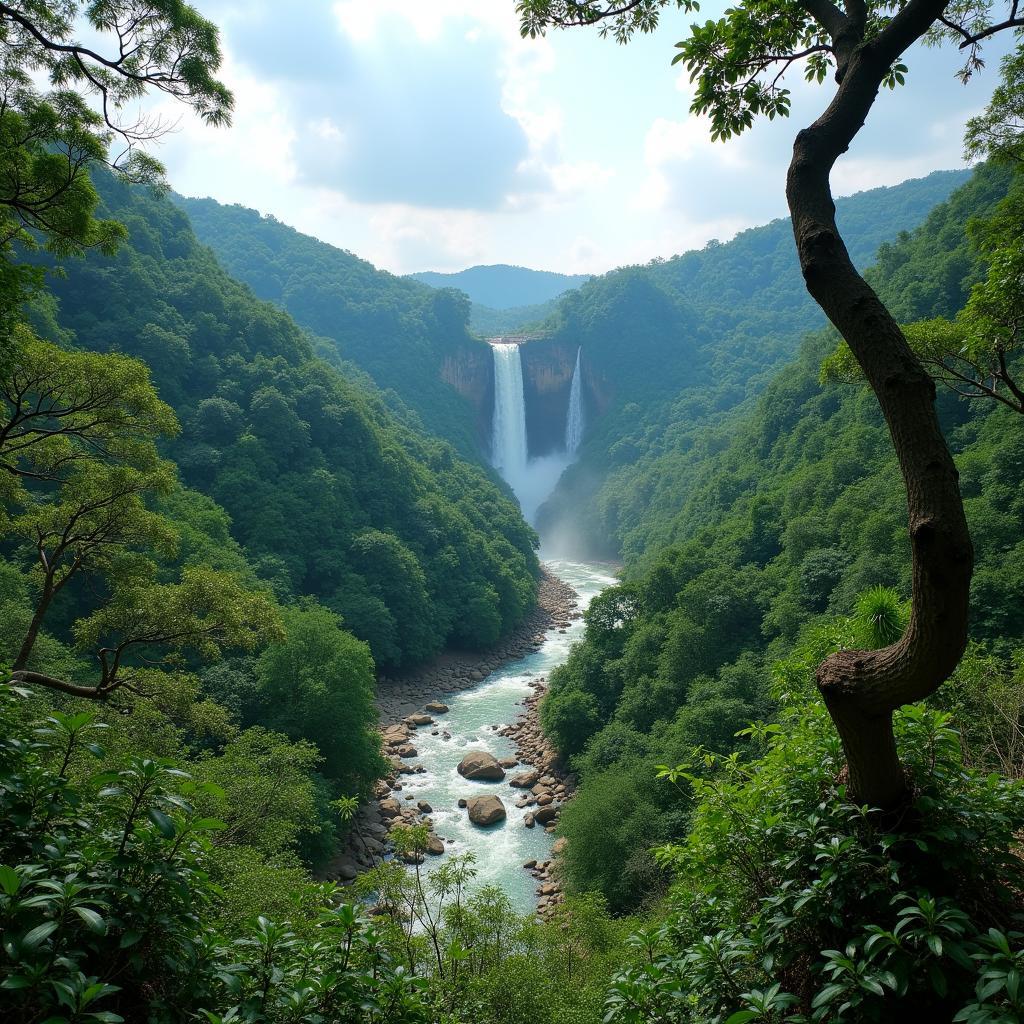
328 493
773 770
502 287
673 344
491 323
728 312
787 510
395 329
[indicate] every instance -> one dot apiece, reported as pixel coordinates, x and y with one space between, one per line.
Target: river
497 701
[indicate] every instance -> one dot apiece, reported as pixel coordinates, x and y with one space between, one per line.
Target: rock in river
486 810
480 765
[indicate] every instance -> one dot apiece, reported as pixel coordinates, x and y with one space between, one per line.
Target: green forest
266 590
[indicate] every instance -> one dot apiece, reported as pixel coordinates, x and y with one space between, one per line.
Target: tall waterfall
508 439
574 416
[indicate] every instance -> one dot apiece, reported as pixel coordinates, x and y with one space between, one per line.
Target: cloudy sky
427 135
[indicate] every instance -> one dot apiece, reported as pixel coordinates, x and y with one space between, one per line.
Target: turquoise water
497 701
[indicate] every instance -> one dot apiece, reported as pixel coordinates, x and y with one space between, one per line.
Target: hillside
789 509
413 546
503 287
670 346
398 331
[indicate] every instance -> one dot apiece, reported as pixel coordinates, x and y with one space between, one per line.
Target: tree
51 139
738 64
317 684
96 523
144 626
999 132
973 354
60 408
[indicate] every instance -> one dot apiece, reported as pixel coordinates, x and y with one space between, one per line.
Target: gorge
483 717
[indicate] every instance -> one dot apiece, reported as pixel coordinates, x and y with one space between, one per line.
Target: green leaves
10 881
164 824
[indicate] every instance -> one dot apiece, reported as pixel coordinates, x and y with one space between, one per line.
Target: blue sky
426 135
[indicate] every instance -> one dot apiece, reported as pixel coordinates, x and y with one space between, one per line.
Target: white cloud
431 136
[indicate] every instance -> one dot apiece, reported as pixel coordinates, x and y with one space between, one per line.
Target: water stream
470 721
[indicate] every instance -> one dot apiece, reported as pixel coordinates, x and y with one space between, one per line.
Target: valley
636 640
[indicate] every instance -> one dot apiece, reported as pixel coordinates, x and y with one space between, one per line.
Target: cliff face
547 380
471 373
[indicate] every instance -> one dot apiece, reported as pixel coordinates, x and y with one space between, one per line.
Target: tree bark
862 689
32 634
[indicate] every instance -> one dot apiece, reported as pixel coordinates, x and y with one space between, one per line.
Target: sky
427 135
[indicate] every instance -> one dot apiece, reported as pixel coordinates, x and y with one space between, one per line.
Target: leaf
209 825
10 881
39 934
742 1017
164 824
92 920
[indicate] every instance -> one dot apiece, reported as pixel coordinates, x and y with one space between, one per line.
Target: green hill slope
329 493
670 346
789 508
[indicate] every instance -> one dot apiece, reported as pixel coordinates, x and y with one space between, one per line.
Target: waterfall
574 416
508 440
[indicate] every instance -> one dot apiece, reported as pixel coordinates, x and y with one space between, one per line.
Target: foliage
977 353
790 903
277 437
999 132
318 684
51 139
486 963
106 904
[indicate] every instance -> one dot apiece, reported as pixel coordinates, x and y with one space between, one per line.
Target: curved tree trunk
862 689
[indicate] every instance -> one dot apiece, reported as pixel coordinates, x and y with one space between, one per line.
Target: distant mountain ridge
503 286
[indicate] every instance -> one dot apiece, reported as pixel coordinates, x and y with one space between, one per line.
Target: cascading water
508 440
474 717
532 480
574 417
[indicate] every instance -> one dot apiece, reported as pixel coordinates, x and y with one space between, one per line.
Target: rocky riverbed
412 712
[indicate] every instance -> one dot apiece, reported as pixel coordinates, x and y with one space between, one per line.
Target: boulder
346 870
434 846
528 820
407 750
480 765
545 814
508 762
390 808
486 810
437 708
559 846
462 801
524 780
419 720
424 807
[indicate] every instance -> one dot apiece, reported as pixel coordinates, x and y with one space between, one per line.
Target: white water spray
574 416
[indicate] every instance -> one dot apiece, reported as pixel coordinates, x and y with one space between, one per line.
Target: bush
107 906
793 904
